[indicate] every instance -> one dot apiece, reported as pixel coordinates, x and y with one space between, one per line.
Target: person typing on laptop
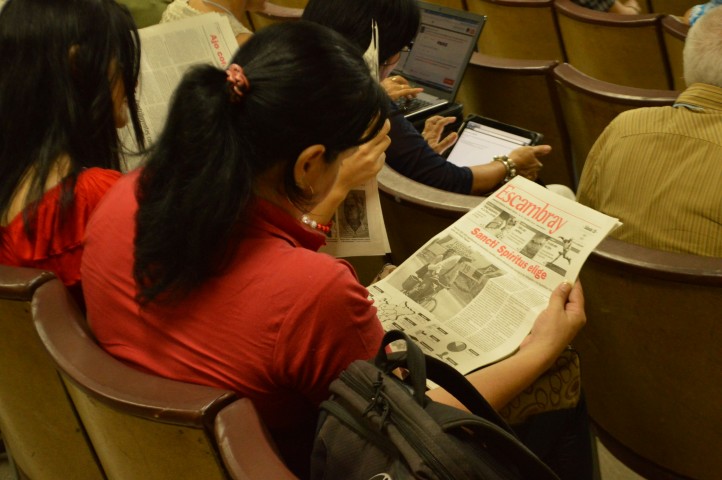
410 153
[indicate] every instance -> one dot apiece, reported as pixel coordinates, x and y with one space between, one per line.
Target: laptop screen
442 47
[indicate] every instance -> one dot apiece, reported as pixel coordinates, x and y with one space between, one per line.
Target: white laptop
438 59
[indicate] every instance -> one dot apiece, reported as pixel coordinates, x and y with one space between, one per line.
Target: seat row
70 410
636 50
570 108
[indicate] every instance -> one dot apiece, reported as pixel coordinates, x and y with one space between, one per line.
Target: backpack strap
454 382
439 372
414 361
509 445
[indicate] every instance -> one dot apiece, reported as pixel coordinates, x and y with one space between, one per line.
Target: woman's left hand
398 87
433 128
527 161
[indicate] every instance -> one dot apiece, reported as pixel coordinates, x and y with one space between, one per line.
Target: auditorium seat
41 432
414 212
142 426
247 450
622 49
146 12
525 29
588 105
674 33
457 4
651 358
672 7
276 12
522 93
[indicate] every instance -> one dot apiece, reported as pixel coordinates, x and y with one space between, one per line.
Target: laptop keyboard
409 105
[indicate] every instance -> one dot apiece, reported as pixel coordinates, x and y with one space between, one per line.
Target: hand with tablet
433 133
482 139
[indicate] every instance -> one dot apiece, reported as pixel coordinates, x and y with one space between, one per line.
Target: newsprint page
168 50
471 294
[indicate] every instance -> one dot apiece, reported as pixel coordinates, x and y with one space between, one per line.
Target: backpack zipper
404 425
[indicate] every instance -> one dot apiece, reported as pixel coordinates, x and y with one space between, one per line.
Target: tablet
481 139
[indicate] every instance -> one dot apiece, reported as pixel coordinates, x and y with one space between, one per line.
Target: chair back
588 105
457 4
675 33
414 212
39 427
277 11
142 426
522 93
651 356
525 29
146 12
247 450
621 49
672 7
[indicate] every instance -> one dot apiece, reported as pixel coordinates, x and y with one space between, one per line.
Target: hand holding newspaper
471 294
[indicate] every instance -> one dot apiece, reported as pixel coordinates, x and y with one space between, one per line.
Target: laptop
438 59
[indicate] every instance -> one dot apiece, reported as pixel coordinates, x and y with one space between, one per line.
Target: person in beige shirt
659 170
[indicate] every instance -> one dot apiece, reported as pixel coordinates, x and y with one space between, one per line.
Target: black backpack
377 427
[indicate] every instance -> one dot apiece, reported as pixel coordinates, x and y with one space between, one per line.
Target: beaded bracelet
509 165
321 227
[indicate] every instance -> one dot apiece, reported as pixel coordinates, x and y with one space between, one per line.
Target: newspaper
358 227
168 50
471 294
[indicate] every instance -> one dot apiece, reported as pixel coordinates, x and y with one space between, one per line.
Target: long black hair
60 60
308 86
398 21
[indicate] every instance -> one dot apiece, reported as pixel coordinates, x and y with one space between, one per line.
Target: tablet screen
479 144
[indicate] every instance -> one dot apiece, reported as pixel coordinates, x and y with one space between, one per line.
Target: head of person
702 56
397 20
68 81
296 101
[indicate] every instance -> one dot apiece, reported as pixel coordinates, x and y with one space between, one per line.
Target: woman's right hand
365 163
559 323
397 87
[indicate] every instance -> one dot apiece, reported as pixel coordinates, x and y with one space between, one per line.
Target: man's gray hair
703 50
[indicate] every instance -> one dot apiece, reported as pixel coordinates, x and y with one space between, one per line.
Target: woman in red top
202 266
67 83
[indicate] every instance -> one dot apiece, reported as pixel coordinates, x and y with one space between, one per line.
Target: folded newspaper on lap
471 294
168 50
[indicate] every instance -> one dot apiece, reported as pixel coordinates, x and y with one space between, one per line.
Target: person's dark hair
307 86
398 21
56 91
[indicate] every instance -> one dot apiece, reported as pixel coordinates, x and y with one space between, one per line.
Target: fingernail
566 286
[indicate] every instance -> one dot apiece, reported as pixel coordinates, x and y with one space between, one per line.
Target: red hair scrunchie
239 84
